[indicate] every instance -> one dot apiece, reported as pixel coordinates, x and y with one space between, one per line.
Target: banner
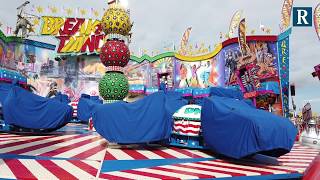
184 41
75 35
234 23
286 14
317 20
283 49
242 38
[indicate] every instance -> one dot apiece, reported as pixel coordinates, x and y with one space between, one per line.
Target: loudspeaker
292 90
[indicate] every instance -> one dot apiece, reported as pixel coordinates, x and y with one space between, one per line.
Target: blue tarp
235 129
24 109
146 120
62 98
86 107
4 90
223 92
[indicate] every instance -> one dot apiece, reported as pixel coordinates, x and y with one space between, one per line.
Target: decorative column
115 53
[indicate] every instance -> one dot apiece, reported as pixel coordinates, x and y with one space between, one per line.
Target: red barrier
313 171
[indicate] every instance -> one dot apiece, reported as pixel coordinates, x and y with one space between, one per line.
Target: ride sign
76 35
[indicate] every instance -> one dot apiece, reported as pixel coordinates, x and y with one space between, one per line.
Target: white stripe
174 153
57 146
5 171
304 150
302 154
248 173
195 123
296 157
296 164
119 154
247 167
129 175
296 160
79 150
199 153
94 164
30 144
166 173
149 154
288 168
98 156
37 170
72 169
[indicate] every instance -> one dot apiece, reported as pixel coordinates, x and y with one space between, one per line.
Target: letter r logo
302 16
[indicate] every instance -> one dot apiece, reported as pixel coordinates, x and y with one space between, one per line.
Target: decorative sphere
114 86
115 53
116 21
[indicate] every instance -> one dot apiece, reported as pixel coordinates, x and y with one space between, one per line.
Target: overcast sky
161 22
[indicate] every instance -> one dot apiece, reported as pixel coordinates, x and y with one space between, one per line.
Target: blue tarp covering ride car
24 109
223 92
235 129
86 107
4 90
146 120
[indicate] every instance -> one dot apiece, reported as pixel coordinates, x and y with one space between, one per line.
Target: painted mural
262 54
200 74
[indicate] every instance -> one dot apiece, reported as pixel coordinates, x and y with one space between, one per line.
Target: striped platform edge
75 146
292 165
48 169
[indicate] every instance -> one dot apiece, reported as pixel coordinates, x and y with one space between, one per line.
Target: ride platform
74 152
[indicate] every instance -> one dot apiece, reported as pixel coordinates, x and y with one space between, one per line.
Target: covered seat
24 109
146 120
86 106
235 129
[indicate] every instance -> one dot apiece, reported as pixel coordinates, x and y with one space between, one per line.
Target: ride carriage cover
235 129
27 110
146 120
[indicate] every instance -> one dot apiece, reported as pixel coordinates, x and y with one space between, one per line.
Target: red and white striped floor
85 156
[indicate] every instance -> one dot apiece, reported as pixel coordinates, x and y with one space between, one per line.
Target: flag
234 23
185 40
242 38
286 14
316 19
111 1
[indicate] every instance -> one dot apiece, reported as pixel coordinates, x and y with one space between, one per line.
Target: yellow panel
199 58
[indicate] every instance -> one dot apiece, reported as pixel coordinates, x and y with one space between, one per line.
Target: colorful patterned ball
115 53
117 21
114 86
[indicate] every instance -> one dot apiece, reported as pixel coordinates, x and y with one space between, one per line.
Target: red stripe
237 168
313 170
160 153
91 151
211 170
56 170
24 142
18 169
9 136
186 131
109 156
183 172
31 148
251 38
186 125
85 167
108 176
134 154
70 147
185 152
147 174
